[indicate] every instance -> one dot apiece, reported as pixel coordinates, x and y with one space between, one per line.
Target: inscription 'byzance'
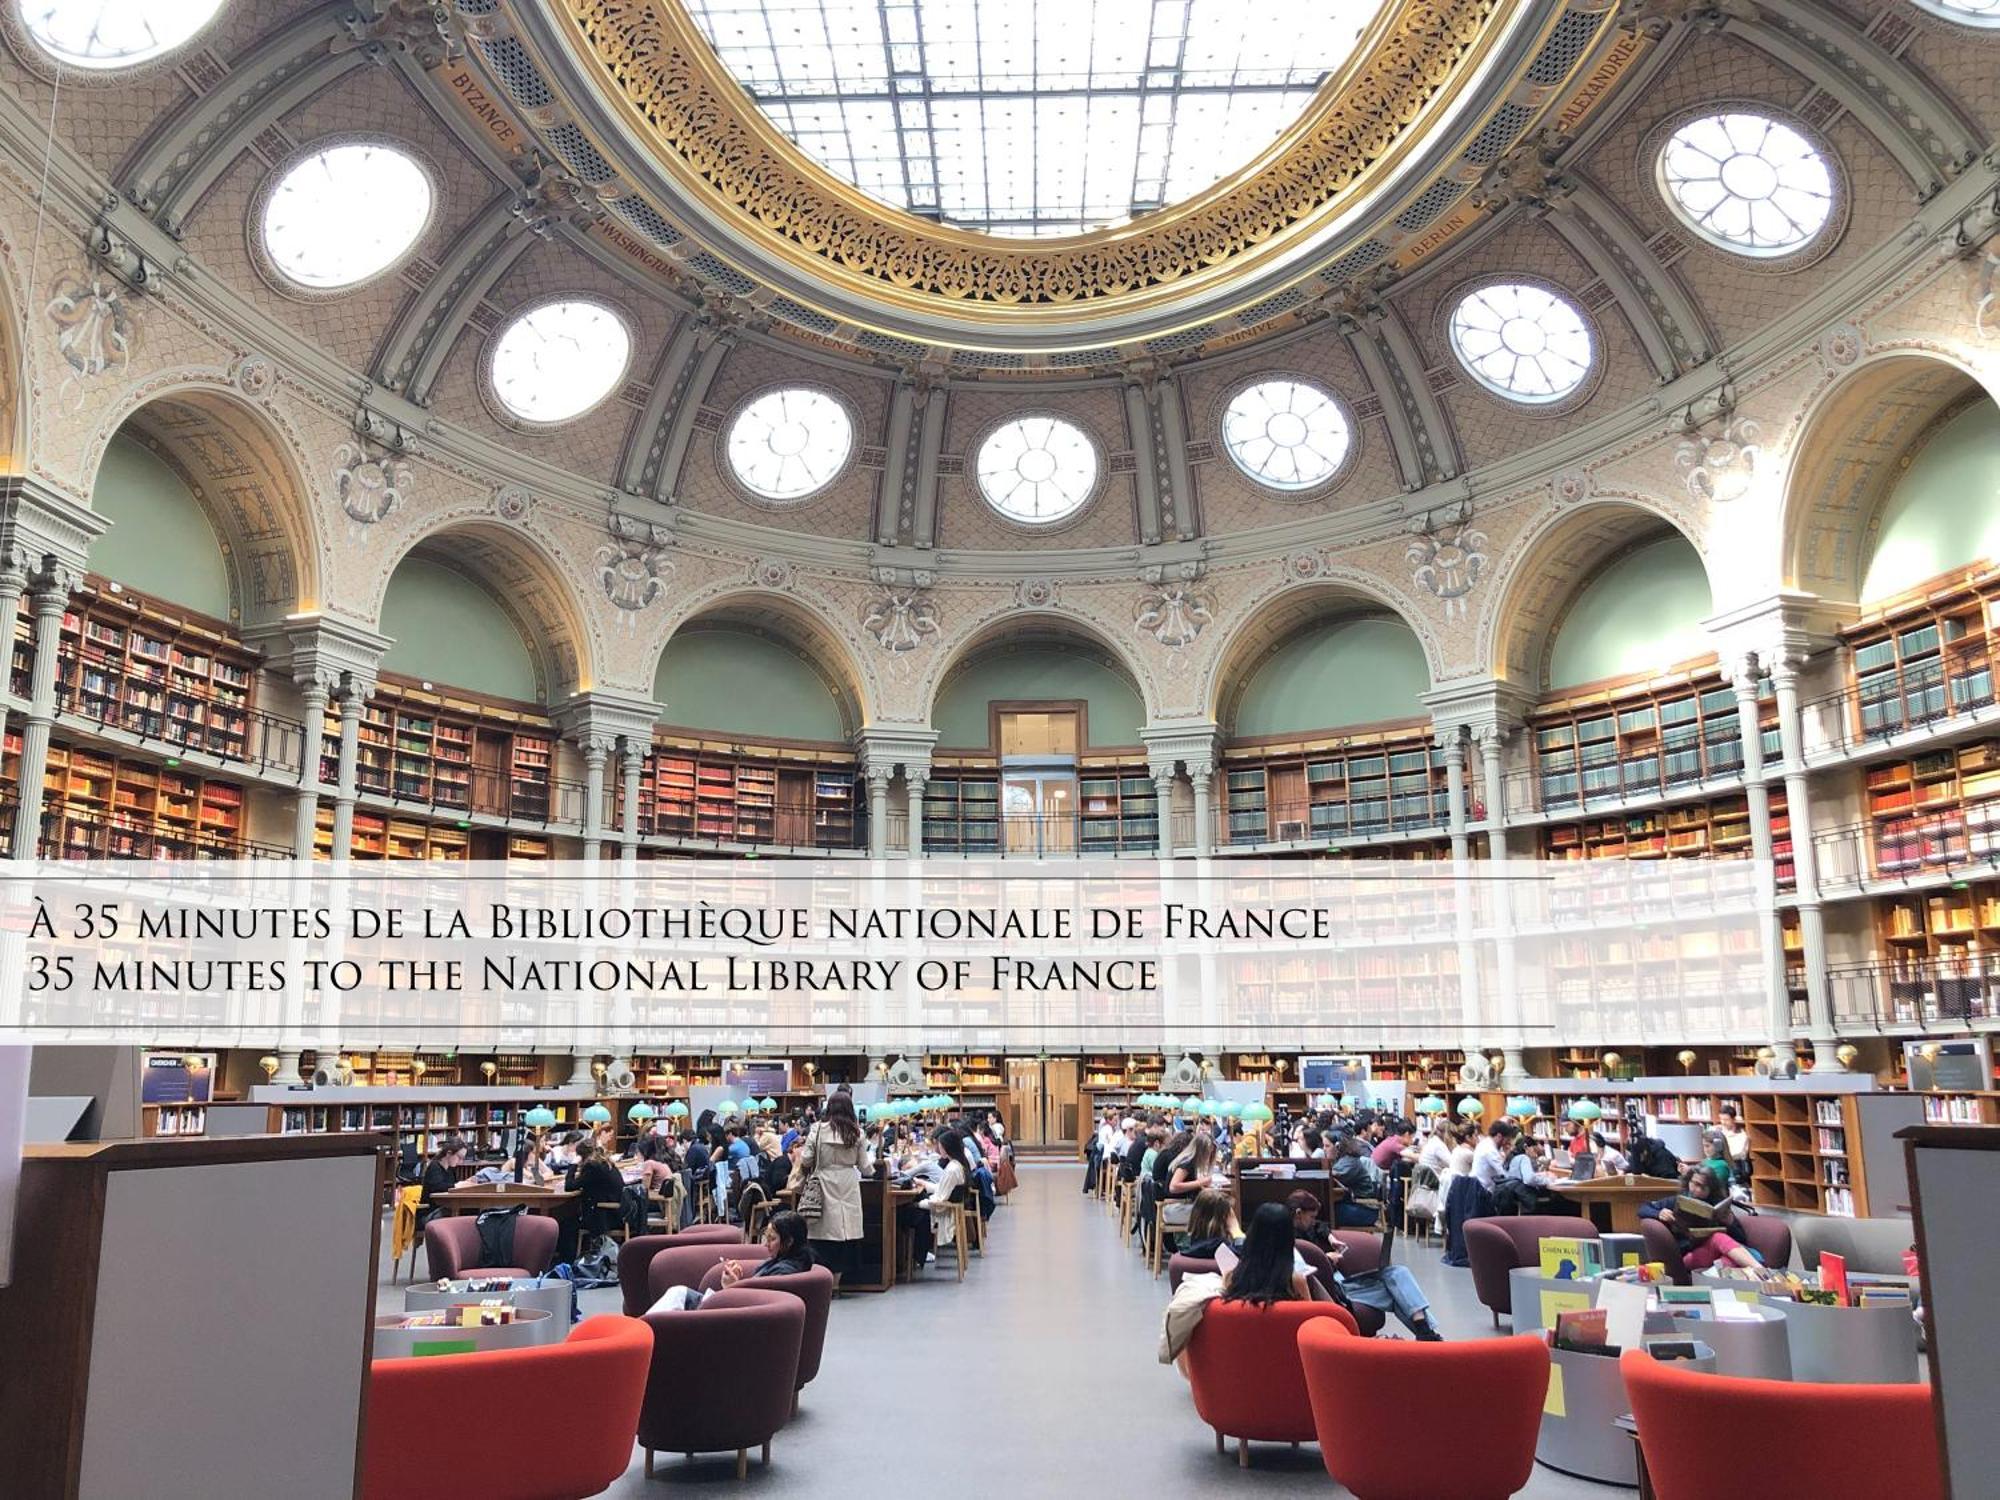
652 54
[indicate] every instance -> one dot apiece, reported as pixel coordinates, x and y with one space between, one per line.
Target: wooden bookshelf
1942 950
793 797
961 1072
96 805
1334 790
1935 810
1719 828
962 812
384 836
1800 1156
1118 809
151 669
450 753
173 1119
1924 659
1642 740
1949 1107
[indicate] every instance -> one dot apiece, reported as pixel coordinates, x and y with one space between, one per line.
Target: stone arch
533 585
1845 449
245 468
1276 617
1549 565
1023 626
794 622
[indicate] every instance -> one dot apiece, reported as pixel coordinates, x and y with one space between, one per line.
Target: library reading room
1252 740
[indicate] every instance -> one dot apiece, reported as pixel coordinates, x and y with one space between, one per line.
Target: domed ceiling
1027 185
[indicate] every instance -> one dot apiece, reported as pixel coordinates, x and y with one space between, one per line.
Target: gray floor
1036 1377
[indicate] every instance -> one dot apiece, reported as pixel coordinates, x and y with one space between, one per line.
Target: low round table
392 1342
552 1296
1580 1433
1850 1345
1757 1347
1525 1286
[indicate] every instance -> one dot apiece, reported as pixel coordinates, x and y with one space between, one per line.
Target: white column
628 804
1453 744
1163 798
1204 820
351 698
596 749
915 782
1812 923
50 597
878 811
1491 741
1745 680
305 811
13 584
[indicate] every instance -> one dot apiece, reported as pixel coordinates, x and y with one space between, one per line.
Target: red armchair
1384 1449
1769 1237
813 1287
1237 1363
635 1259
451 1247
408 1457
723 1376
1833 1442
1501 1243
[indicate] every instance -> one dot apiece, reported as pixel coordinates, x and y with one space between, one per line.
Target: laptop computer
1583 1166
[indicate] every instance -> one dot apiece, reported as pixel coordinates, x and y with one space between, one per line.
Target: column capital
888 748
610 717
44 528
51 583
1476 704
1783 624
342 655
1194 745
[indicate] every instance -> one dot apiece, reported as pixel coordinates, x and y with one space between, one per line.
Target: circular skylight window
1971 12
1286 434
113 33
1522 341
345 214
787 444
1037 469
560 360
1747 182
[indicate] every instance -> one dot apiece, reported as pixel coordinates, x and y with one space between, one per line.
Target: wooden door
1061 1075
794 825
1027 1113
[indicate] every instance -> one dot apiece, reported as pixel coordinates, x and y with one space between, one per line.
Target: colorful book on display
1564 1258
1833 1274
1697 1215
1582 1330
1621 1250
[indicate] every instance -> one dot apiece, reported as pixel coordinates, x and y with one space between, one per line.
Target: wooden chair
403 1236
754 1210
1160 1231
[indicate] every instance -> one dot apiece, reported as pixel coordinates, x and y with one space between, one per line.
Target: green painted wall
160 542
739 682
1334 674
1641 613
1945 510
450 631
1113 707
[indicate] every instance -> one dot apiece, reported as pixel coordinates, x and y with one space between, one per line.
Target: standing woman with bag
831 1161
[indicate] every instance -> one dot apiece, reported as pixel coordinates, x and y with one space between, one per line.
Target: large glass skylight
787 444
1032 117
559 360
346 213
114 33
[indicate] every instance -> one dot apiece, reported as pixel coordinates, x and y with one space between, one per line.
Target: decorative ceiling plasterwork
697 186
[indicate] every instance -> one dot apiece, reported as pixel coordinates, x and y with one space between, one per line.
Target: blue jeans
1392 1289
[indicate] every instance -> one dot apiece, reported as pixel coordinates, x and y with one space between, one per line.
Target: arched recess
243 473
1848 452
479 566
1349 656
1556 568
757 665
1037 658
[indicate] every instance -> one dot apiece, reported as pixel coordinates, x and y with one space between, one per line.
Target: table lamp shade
1471 1108
1586 1109
641 1111
1192 1101
541 1117
1430 1104
768 1105
676 1109
1259 1112
596 1114
1523 1108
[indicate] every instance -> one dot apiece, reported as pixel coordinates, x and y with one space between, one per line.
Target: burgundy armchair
723 1376
635 1258
1501 1243
686 1265
1181 1266
1769 1237
813 1287
451 1247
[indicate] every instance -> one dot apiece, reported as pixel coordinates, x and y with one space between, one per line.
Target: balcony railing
267 742
1925 996
1859 715
1334 823
1911 847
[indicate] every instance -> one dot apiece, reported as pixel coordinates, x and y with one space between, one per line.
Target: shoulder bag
812 1196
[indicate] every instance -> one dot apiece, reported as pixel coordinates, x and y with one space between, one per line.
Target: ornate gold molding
668 81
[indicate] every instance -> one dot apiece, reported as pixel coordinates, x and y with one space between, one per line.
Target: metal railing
1857 715
266 741
1912 847
1923 996
1333 823
771 825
